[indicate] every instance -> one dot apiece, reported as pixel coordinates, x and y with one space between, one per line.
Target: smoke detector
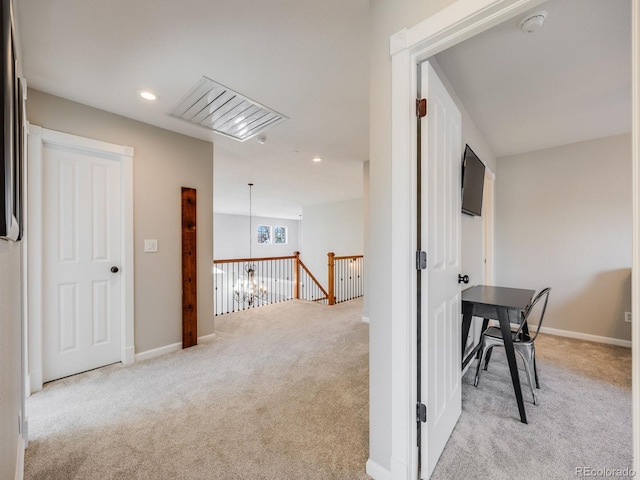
533 22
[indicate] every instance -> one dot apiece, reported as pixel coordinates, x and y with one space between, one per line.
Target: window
279 234
264 234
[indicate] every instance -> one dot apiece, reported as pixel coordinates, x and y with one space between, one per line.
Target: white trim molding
635 271
37 137
408 48
20 459
586 336
173 347
365 319
376 471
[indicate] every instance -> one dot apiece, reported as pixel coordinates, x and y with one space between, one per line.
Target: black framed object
472 183
11 150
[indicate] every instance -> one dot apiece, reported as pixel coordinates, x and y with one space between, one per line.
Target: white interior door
441 219
81 244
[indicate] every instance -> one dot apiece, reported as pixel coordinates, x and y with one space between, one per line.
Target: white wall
386 18
331 227
231 237
564 221
366 244
10 356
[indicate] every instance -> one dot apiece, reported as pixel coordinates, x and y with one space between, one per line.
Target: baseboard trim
20 459
129 355
377 472
365 319
160 351
586 336
205 338
35 381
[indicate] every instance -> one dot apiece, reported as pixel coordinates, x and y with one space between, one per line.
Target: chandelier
247 290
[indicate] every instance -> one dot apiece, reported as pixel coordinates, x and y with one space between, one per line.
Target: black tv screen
472 183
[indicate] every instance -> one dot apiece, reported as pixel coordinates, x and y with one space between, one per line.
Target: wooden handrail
233 260
348 285
348 257
297 263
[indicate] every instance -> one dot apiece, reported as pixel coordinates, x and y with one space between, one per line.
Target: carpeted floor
583 419
282 393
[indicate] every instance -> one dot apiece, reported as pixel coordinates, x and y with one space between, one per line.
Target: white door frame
454 24
37 138
488 228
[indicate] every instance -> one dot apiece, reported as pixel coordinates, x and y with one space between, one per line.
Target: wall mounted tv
12 119
472 183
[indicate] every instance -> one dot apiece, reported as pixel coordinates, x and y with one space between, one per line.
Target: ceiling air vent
218 108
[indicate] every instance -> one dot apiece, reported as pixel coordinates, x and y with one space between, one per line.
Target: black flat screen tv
11 140
472 183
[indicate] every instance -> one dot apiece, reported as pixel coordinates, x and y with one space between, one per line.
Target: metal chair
523 343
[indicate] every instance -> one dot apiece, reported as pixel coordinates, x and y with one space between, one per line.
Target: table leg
467 315
505 328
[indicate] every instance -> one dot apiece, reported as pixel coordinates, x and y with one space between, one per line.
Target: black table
496 303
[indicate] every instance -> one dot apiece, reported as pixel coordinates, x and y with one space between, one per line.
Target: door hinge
421 412
421 107
421 260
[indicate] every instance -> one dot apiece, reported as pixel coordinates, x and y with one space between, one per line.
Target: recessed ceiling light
148 95
316 159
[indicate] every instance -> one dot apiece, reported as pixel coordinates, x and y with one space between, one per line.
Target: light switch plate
151 246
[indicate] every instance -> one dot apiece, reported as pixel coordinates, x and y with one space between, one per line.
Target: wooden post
189 269
331 290
296 275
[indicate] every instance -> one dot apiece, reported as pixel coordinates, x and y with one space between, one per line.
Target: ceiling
303 58
308 60
568 82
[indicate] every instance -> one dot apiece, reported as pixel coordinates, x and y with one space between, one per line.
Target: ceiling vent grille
218 108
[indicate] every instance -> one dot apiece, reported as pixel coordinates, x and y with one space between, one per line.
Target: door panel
81 226
441 172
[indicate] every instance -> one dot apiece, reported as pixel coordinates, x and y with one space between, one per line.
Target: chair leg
528 359
535 367
488 357
482 352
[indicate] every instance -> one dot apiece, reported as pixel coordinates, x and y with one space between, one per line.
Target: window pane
264 234
280 234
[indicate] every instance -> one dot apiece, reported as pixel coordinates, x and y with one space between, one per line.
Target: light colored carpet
583 418
280 393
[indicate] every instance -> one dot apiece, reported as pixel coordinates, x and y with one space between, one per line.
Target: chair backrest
534 313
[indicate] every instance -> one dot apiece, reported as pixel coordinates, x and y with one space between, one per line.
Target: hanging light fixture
247 289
